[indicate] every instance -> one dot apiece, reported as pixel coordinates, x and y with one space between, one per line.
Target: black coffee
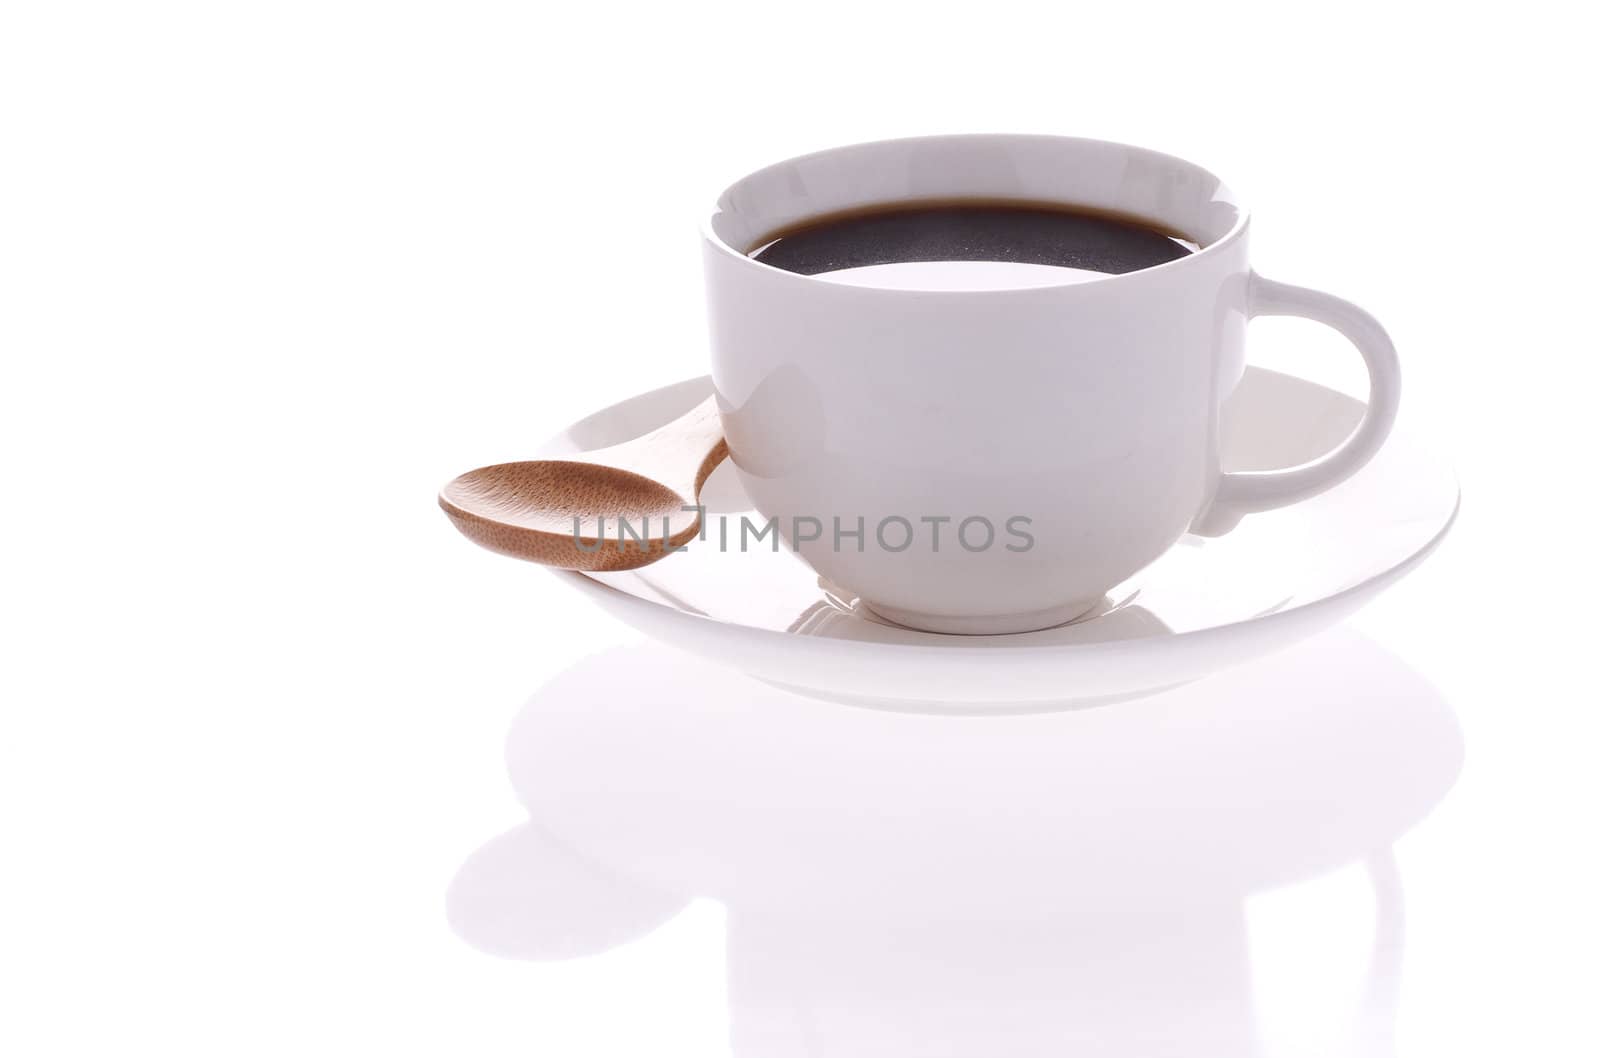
1014 232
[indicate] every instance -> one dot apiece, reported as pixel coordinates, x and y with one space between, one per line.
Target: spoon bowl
617 508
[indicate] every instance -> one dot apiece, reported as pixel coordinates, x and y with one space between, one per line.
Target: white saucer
1203 606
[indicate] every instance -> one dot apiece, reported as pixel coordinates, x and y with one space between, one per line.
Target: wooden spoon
569 513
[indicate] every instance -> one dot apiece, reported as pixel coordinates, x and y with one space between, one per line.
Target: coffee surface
1014 232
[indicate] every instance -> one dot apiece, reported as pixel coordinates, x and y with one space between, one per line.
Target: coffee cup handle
1245 492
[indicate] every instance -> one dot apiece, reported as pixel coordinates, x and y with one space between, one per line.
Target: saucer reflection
917 885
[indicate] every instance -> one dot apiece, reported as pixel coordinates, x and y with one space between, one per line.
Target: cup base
993 625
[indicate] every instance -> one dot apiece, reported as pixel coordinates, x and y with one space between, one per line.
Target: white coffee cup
1077 418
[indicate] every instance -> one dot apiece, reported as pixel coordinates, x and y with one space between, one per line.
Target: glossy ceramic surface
1087 412
1206 604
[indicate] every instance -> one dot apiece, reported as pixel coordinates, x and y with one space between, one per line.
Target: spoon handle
680 455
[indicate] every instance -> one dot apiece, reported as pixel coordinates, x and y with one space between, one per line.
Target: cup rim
1235 230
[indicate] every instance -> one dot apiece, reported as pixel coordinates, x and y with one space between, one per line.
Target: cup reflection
899 884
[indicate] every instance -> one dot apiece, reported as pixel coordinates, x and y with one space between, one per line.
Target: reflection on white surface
916 885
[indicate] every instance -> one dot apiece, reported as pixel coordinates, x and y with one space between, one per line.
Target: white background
271 273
